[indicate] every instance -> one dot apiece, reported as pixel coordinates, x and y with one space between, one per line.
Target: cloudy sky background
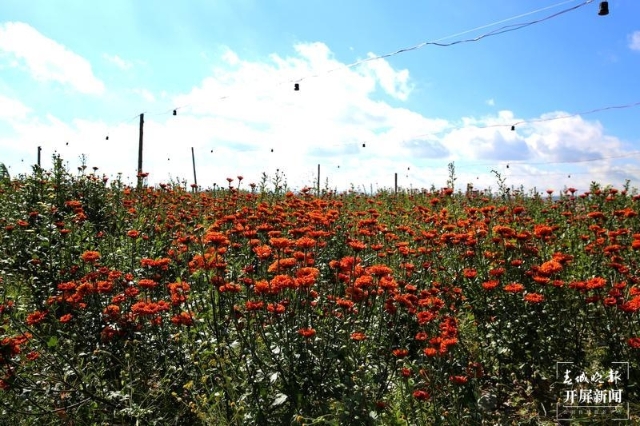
73 72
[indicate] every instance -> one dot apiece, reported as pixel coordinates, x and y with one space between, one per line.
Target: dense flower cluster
428 295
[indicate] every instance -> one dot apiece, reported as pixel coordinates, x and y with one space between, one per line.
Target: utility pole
318 180
140 152
193 161
396 183
39 151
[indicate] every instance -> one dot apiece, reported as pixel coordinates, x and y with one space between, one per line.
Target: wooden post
39 150
140 151
318 180
193 161
396 183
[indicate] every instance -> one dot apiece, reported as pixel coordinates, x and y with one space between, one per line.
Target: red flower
595 283
470 273
634 342
36 317
458 380
307 332
490 285
66 318
421 395
254 306
421 336
400 353
32 356
184 318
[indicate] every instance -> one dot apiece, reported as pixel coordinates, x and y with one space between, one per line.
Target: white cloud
490 102
394 83
118 61
327 122
634 40
46 59
145 94
12 108
230 57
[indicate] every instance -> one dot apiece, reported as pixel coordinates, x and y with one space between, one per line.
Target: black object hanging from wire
175 112
604 8
296 87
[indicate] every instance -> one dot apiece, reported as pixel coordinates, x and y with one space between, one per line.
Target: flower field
255 305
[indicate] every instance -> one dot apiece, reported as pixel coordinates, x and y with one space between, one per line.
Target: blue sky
73 72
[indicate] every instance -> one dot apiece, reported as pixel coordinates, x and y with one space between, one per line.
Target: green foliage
123 305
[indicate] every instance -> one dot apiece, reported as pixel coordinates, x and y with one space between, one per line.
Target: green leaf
53 342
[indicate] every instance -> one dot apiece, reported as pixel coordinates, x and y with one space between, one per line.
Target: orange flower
218 239
533 297
358 336
379 270
281 282
147 283
133 233
280 243
542 231
286 263
490 285
263 252
254 306
430 352
90 256
514 288
305 243
66 318
262 286
184 318
425 317
344 303
400 353
277 308
595 283
357 245
550 267
104 286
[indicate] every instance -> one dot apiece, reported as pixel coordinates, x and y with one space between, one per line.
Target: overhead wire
439 43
